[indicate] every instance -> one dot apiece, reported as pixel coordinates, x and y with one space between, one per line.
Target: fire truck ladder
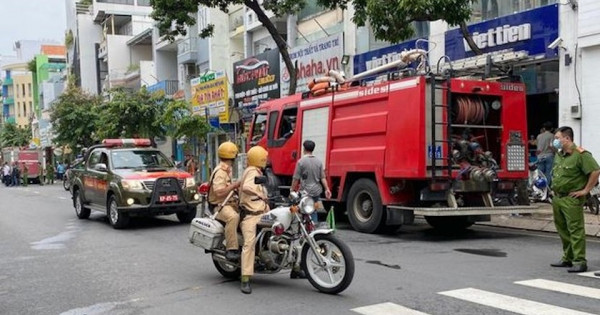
441 83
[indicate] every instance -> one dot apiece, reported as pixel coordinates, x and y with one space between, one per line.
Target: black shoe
562 263
232 255
300 274
597 274
578 268
245 287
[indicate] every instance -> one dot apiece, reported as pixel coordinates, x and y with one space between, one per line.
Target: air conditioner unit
576 111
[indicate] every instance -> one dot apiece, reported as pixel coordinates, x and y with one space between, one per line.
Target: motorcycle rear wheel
338 272
228 271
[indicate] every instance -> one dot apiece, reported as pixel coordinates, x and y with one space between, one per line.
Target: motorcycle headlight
189 182
131 184
307 205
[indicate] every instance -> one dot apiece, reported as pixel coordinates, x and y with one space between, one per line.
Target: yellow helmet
228 150
257 156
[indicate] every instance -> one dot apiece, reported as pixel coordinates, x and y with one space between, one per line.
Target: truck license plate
167 198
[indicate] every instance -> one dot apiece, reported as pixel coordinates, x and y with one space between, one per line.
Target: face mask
556 144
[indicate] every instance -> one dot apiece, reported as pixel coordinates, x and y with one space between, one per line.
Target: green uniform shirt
571 171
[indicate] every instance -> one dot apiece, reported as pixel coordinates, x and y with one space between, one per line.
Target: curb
543 221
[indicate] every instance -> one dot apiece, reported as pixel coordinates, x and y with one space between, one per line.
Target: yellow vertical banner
212 92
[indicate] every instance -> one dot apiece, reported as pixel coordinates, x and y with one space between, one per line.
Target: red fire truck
30 157
439 147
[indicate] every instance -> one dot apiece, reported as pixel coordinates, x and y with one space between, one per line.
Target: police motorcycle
286 236
538 185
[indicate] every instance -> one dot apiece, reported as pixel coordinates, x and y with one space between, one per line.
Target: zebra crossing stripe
386 309
562 287
509 303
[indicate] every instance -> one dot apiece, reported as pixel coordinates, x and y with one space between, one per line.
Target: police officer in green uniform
575 173
25 175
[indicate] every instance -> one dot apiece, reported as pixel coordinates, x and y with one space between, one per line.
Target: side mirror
260 180
100 167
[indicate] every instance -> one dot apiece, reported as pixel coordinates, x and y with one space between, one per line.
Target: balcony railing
9 119
128 2
167 86
9 100
236 19
8 81
143 3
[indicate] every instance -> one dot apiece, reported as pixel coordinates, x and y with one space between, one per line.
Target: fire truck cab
439 147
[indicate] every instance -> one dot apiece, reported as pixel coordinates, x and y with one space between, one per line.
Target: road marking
386 309
589 274
562 287
509 303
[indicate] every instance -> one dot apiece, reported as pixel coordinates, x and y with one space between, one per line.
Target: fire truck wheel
365 210
449 224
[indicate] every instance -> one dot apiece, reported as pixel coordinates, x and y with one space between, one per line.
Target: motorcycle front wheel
228 271
338 270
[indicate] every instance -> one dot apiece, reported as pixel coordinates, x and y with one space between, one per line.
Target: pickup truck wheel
116 217
187 217
364 207
80 209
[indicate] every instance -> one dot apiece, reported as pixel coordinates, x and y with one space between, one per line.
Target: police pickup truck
127 178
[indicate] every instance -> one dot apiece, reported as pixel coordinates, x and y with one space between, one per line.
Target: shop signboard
256 79
314 60
211 91
530 31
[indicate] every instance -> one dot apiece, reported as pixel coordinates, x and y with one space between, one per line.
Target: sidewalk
543 221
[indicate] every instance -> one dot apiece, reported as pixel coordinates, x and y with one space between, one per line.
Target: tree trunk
465 33
281 44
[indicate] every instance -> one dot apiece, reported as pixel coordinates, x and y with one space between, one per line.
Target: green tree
74 117
133 114
181 13
182 123
12 135
391 20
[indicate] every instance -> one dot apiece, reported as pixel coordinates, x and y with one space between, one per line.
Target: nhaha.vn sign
314 60
500 35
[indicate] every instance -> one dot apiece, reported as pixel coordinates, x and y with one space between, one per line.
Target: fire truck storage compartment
475 119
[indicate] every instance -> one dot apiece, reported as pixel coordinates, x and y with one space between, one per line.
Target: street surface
53 263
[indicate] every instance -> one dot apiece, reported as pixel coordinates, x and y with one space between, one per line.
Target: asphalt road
53 263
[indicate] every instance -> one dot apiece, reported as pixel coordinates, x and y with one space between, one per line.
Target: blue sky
31 20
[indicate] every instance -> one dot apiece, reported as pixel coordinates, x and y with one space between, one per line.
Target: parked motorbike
593 200
538 185
285 237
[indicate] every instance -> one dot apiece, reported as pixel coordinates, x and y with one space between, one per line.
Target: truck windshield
139 159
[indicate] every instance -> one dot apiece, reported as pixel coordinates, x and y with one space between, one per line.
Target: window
29 88
19 109
30 107
484 10
23 86
139 159
288 123
94 159
312 8
259 127
24 109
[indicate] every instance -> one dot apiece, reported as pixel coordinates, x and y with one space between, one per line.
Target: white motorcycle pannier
206 233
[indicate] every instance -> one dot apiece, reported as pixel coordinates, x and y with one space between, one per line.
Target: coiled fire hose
470 110
334 81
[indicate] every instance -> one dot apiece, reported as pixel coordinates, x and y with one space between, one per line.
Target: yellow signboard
212 95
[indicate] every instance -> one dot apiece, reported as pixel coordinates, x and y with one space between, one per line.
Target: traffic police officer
220 186
253 204
575 174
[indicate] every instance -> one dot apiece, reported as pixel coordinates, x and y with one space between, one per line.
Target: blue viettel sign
531 31
379 57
